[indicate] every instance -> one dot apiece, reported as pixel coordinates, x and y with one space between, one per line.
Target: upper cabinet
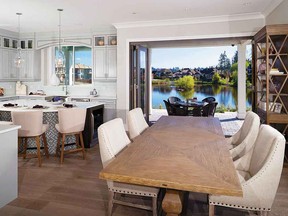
29 71
105 57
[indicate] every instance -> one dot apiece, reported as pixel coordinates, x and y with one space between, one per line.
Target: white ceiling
90 15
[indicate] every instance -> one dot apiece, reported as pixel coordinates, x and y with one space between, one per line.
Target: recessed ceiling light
134 13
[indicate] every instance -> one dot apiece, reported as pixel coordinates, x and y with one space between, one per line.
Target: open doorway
162 84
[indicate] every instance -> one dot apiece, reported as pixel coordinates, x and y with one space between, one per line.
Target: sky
189 57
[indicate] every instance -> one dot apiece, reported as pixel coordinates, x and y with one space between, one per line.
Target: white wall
224 28
279 15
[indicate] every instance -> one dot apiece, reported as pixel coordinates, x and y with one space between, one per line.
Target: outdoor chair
175 110
209 99
209 109
173 99
259 172
136 122
113 139
241 142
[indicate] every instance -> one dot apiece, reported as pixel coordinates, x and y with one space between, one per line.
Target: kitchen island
94 118
8 164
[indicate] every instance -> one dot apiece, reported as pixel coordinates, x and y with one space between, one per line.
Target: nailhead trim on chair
240 207
133 192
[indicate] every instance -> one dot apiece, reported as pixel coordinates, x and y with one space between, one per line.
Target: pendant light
60 57
19 60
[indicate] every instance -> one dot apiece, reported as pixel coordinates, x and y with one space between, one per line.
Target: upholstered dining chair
71 122
259 172
245 137
32 126
136 122
113 139
175 110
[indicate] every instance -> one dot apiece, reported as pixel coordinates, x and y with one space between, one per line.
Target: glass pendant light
19 60
60 57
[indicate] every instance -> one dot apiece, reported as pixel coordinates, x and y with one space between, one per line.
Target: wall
279 15
214 29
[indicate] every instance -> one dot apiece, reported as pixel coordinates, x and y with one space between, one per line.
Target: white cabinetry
105 57
109 108
29 71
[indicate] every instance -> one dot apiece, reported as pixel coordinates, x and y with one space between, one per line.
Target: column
241 93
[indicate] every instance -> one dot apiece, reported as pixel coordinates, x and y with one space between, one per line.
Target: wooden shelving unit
270 77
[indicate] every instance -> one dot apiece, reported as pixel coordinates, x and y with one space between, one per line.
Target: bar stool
31 127
71 122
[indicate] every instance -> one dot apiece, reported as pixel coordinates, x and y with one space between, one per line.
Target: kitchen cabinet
8 71
109 108
270 77
105 57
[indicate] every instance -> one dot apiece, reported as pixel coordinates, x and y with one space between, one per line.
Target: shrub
185 83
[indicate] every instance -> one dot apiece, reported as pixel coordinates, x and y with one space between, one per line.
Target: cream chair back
251 121
269 148
31 122
112 139
71 120
136 122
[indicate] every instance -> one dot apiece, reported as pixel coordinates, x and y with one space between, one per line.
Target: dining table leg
172 203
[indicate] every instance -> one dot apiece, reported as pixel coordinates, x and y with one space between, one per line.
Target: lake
226 95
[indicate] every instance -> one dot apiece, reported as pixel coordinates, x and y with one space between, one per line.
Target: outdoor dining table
190 103
178 153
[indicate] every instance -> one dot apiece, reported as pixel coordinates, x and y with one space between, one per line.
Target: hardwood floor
74 189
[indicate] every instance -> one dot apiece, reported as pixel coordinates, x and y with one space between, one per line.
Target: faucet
65 88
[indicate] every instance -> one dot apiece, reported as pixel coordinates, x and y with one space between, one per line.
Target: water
225 95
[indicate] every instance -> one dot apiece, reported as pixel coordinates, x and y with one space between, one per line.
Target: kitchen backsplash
103 88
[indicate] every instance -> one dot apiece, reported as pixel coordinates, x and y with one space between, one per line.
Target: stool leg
45 145
62 148
38 149
77 138
58 144
82 145
25 147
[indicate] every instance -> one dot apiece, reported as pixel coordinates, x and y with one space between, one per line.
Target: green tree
216 79
224 62
235 58
186 83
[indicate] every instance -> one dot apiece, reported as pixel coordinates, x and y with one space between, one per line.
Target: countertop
26 105
100 97
7 128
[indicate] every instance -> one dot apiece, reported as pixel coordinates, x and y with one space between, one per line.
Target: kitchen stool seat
71 122
32 126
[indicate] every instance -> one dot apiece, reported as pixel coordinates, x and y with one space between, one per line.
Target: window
77 69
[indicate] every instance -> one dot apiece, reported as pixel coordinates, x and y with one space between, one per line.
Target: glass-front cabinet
105 57
270 47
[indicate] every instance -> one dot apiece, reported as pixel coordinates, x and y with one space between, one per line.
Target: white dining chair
112 140
71 122
259 172
32 126
136 122
244 139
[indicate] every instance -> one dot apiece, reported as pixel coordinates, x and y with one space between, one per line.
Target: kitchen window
77 69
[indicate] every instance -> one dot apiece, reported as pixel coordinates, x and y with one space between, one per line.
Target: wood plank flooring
74 189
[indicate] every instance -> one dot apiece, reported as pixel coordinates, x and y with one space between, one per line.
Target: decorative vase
100 42
54 80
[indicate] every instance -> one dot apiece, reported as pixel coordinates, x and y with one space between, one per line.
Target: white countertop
7 128
26 105
100 97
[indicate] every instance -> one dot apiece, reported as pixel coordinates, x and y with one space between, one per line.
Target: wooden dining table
178 153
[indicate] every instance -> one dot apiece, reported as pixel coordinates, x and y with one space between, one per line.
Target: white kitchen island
8 163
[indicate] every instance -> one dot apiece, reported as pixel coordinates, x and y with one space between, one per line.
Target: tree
224 64
235 58
186 83
216 79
